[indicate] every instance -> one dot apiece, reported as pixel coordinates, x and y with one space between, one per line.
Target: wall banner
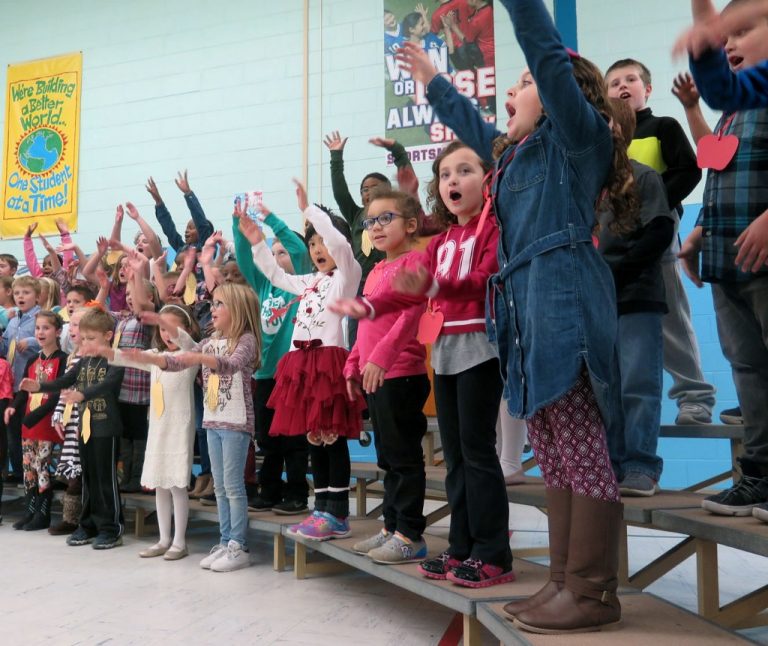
458 35
42 140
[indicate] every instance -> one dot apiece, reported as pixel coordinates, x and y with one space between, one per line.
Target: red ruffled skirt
310 394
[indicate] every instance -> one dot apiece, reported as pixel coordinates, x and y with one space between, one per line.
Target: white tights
180 499
510 440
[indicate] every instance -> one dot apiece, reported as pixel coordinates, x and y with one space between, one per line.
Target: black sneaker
106 542
290 507
208 501
257 503
740 499
80 536
438 566
732 416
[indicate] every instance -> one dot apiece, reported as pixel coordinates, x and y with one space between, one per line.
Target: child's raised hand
29 385
30 230
301 195
700 38
209 249
373 377
149 318
409 281
335 141
183 182
685 90
102 244
349 307
101 277
414 60
119 213
753 245
153 191
161 261
66 246
71 396
382 142
241 208
61 225
9 412
133 212
353 390
250 230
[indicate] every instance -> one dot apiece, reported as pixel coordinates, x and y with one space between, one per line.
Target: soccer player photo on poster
458 36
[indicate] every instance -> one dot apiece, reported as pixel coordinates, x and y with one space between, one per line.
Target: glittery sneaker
307 522
438 566
363 547
397 550
473 573
325 528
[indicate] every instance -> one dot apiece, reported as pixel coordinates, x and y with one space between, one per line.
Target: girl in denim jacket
555 309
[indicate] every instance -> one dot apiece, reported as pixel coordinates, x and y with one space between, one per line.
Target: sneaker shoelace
750 486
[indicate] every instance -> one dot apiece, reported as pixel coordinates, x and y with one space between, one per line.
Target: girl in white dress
170 442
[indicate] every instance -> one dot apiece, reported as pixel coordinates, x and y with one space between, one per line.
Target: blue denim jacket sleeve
169 228
577 125
725 90
202 224
461 116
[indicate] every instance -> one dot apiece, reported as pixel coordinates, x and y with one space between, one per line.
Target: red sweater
389 341
461 263
460 10
479 30
36 424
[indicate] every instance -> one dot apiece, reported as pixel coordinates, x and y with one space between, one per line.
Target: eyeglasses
218 304
384 219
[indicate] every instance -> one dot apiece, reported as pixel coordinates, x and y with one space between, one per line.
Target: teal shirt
275 334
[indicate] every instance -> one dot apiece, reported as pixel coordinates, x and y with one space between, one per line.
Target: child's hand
137 261
373 377
133 212
190 255
9 412
93 349
335 141
412 282
301 195
101 277
381 142
209 249
61 225
753 245
153 191
161 262
22 345
700 38
420 8
57 426
67 246
29 385
353 390
689 256
250 230
119 213
149 318
685 90
415 60
136 355
71 396
349 307
183 183
102 245
30 230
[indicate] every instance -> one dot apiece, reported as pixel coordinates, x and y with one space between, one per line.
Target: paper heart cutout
430 324
716 152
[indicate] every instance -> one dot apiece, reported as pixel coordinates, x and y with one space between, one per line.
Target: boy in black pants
96 388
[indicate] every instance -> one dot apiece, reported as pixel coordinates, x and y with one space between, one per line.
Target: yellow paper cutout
86 432
156 397
11 351
116 340
212 393
67 414
190 290
35 399
366 245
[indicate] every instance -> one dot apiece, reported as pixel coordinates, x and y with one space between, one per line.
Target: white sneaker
217 551
234 558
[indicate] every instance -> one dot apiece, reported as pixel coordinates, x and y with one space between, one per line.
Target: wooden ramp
645 620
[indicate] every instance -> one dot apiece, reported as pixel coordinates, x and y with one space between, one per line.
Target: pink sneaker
325 528
307 522
473 573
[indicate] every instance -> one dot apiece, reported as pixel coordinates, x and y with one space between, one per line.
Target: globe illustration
40 150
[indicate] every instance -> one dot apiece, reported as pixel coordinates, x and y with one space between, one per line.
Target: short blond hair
27 281
97 319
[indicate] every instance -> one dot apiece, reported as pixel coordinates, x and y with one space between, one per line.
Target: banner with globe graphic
42 140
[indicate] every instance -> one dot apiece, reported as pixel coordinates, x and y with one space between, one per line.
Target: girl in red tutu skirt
310 394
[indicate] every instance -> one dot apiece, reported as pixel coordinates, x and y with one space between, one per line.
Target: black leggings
331 472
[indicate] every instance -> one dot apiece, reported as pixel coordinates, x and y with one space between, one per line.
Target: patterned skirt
69 462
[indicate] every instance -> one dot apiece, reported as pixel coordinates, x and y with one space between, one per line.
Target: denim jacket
554 297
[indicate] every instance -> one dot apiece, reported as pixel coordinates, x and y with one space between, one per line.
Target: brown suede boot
201 484
588 600
69 518
559 521
208 490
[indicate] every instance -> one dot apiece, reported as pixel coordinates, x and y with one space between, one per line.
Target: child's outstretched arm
154 243
66 238
55 262
347 205
29 252
685 90
206 261
455 111
67 380
49 406
202 224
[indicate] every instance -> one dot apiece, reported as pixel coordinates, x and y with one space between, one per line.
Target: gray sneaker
693 414
638 484
363 547
396 551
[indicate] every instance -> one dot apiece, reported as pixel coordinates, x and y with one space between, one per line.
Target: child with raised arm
168 458
278 312
95 385
453 273
555 304
387 367
37 433
310 394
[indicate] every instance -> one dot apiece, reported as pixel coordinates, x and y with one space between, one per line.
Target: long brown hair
440 211
619 194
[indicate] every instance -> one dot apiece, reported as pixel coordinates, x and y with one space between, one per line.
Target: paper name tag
716 152
430 324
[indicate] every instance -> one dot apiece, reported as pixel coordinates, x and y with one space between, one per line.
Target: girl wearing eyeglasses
310 394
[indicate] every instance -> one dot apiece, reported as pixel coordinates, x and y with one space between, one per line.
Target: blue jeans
228 451
640 349
200 432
